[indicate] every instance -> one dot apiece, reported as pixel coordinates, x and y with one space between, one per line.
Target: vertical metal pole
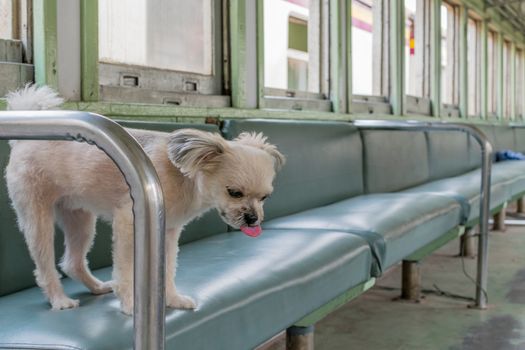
484 214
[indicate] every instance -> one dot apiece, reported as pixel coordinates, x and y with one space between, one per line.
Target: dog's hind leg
36 220
79 231
123 257
173 298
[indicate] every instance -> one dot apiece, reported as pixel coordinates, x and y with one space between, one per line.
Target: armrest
146 193
486 156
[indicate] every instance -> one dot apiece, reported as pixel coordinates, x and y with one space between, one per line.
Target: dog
73 184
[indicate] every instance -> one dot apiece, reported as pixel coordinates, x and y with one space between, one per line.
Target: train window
365 48
295 54
417 54
8 26
15 45
449 54
520 84
474 67
492 72
369 57
167 51
507 80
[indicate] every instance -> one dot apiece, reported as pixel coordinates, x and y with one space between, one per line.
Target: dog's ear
259 140
192 150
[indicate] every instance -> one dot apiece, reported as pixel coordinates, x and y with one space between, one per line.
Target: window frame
507 80
421 105
120 82
290 99
492 73
520 84
376 104
16 52
451 109
476 65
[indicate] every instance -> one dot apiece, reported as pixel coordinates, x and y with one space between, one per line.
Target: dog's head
235 176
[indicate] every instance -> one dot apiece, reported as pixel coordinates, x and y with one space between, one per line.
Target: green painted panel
89 49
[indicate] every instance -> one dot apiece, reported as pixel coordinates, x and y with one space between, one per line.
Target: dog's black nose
250 218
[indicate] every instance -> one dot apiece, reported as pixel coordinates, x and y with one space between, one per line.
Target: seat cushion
394 224
513 171
465 189
246 289
324 162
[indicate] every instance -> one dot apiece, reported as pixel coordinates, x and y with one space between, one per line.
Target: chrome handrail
146 193
484 209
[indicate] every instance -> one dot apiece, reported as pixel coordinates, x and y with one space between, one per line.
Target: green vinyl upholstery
395 160
394 224
519 139
448 154
465 189
247 290
348 204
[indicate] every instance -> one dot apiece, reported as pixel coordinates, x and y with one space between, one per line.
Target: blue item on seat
509 155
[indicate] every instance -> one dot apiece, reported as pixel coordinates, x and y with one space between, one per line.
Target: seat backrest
16 266
519 139
324 162
475 148
504 138
394 160
448 154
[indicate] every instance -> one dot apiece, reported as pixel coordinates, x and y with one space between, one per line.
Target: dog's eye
234 193
265 198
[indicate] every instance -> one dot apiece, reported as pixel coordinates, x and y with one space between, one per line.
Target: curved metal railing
146 193
484 208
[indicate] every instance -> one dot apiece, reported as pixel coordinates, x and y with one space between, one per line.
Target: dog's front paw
64 303
178 301
102 288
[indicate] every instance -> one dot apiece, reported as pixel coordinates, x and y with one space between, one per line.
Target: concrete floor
375 322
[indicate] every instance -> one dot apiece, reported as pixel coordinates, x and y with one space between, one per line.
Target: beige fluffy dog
73 183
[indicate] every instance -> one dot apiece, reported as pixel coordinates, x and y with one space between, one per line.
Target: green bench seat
394 224
247 291
465 189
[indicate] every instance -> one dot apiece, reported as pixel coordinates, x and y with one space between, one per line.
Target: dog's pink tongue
251 231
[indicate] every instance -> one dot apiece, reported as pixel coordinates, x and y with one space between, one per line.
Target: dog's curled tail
33 98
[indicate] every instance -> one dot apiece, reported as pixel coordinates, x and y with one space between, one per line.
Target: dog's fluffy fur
73 183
